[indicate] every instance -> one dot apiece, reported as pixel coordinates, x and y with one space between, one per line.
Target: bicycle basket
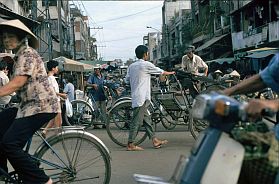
257 171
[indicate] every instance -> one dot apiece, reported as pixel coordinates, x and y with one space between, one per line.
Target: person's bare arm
250 85
206 71
14 84
167 73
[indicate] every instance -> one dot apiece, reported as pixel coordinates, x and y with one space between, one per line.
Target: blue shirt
139 75
69 89
270 75
98 94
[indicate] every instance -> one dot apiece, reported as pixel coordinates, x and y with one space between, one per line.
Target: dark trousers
14 134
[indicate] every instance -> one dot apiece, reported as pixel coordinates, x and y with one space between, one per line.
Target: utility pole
74 37
60 29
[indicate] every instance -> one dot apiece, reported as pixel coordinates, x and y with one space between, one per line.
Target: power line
113 19
127 38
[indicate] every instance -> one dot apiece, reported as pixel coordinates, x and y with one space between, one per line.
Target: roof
262 54
72 65
210 42
221 60
262 49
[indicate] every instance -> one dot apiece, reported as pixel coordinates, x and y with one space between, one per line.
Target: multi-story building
54 29
254 29
81 34
211 28
153 42
172 17
254 25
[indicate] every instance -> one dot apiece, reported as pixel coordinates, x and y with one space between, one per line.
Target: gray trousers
141 115
103 110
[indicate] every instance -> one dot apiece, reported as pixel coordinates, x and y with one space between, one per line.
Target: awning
221 60
210 42
72 65
6 14
262 54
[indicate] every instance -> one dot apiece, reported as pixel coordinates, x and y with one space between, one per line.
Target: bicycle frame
45 142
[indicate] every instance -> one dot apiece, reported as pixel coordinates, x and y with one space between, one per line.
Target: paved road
157 162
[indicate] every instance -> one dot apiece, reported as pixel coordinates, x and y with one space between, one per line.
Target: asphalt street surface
156 162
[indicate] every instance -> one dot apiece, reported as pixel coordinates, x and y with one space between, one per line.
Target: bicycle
86 113
71 156
165 108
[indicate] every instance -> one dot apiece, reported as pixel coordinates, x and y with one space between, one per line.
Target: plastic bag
69 108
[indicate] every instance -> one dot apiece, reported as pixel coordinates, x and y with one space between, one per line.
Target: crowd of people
40 97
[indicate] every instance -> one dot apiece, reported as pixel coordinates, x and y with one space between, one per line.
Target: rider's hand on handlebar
257 108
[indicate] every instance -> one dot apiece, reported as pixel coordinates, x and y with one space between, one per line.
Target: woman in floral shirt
38 102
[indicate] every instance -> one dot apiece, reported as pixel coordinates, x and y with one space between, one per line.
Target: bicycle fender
66 132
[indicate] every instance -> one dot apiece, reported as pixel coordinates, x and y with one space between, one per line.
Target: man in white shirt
139 76
192 63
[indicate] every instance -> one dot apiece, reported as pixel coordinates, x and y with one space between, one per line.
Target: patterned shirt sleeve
25 64
270 74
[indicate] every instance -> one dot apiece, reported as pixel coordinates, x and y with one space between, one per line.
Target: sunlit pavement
156 162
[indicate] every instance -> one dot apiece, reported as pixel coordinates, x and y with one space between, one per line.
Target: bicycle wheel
118 125
168 122
83 113
75 157
196 126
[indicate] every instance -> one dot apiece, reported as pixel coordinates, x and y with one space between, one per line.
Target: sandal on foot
159 145
135 148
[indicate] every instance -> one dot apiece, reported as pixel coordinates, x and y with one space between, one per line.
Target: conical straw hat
19 25
217 71
234 74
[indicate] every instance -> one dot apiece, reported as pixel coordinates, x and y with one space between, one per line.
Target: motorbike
216 156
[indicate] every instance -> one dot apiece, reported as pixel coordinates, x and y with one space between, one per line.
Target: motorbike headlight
199 110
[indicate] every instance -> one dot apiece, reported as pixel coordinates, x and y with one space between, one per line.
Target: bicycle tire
83 113
119 118
167 122
196 126
74 149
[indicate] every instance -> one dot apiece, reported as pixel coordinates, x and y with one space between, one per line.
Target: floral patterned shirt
37 96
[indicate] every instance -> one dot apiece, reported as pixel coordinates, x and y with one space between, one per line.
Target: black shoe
96 127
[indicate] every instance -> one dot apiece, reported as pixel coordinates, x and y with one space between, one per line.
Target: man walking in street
139 76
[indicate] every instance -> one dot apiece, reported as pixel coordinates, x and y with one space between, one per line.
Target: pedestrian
38 103
96 82
52 67
69 88
4 79
192 63
217 75
139 76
